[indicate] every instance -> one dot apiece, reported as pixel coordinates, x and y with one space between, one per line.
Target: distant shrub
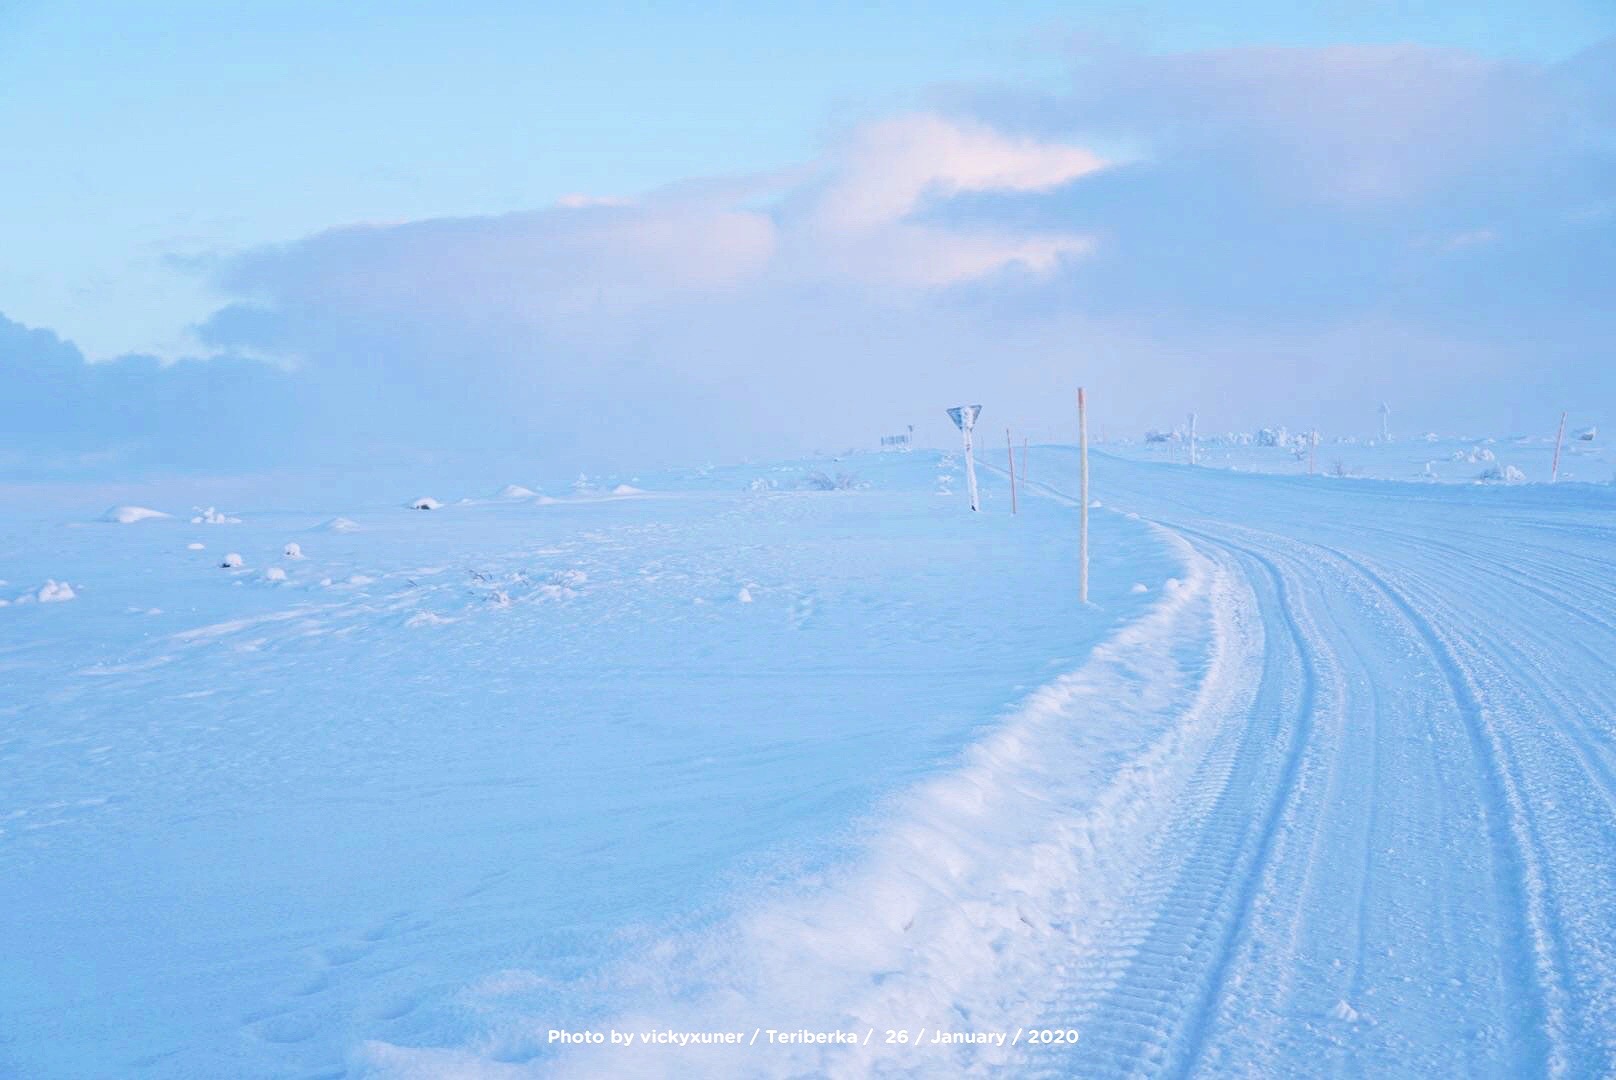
819 481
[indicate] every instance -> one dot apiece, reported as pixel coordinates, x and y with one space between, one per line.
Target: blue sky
168 174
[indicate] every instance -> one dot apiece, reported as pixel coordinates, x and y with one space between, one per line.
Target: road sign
964 417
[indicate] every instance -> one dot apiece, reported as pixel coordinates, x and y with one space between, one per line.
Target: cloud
62 415
1267 235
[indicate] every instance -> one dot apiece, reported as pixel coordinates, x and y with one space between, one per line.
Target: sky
384 229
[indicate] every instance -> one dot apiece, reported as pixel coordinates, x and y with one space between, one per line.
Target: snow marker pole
1192 438
1083 495
1010 452
970 467
1554 472
1024 461
1312 441
964 417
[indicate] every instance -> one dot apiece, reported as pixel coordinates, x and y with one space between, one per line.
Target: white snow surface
129 515
1322 783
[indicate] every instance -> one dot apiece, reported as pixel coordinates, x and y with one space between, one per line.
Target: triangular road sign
964 416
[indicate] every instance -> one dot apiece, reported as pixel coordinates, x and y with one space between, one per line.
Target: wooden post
1554 472
1083 494
1010 452
1024 461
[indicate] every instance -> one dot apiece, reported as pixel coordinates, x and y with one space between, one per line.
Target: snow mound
1507 474
426 502
231 561
195 546
1139 587
128 515
516 491
745 595
1344 1012
212 516
274 573
627 489
55 592
293 551
340 525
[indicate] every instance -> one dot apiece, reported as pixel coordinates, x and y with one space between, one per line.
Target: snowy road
1397 857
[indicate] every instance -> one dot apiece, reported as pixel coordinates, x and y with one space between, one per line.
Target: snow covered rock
231 561
55 592
128 515
292 551
426 502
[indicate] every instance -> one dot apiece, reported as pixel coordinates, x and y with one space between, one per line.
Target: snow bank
128 515
968 883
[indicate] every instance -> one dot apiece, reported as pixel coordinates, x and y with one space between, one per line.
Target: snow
129 515
293 550
516 491
231 561
627 489
1334 798
212 516
54 592
1431 458
426 502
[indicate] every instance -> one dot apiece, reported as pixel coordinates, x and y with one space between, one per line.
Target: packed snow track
1396 857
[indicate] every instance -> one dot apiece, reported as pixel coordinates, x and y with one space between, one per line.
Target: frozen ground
1333 793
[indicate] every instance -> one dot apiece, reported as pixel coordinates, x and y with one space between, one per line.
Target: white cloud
891 168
